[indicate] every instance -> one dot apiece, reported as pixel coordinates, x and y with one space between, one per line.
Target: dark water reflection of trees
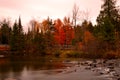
15 67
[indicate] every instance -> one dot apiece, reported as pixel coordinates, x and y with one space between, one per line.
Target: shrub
110 55
73 54
57 53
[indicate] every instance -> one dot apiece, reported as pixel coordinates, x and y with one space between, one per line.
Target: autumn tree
64 32
68 30
35 27
46 25
59 34
48 30
40 37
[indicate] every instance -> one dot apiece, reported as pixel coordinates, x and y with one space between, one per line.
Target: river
54 69
28 69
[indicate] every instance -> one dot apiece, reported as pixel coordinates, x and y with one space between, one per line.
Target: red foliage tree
69 31
64 33
59 34
69 34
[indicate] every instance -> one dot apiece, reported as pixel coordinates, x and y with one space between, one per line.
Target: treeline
49 37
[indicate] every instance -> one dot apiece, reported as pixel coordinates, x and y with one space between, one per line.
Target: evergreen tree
14 38
17 37
49 40
109 9
20 26
21 35
90 27
107 31
5 32
39 44
108 24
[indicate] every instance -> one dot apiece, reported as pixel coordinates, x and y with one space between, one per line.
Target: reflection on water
22 69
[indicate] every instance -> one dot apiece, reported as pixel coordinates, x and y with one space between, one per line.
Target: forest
66 38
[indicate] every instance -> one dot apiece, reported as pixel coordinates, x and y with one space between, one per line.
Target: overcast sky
41 9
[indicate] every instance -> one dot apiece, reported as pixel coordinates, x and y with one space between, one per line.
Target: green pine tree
5 32
17 38
14 38
110 10
107 25
107 31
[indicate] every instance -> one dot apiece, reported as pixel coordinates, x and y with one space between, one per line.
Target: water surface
29 69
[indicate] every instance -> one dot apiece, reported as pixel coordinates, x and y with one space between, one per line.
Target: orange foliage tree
64 33
69 31
88 36
59 34
46 24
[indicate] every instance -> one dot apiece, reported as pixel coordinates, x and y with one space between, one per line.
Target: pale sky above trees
41 9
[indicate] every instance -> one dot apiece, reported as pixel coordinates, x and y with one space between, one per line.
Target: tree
108 25
39 44
5 32
14 44
84 29
35 27
107 30
46 25
21 35
64 32
49 29
20 28
90 27
68 31
75 14
29 42
78 34
59 32
109 10
49 41
107 35
17 37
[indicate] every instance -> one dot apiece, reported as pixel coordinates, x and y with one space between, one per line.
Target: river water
53 69
28 69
